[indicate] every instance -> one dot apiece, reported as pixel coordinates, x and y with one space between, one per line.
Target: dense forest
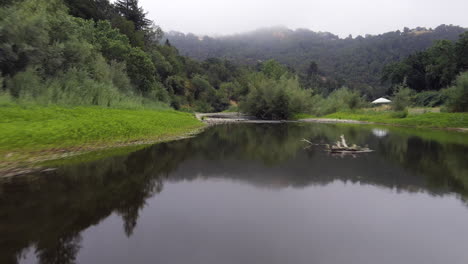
433 77
431 69
93 52
355 62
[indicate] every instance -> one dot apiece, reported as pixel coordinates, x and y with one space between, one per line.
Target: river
249 193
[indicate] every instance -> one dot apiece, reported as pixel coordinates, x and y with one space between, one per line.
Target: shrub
119 78
429 98
5 99
399 114
457 95
276 99
342 99
203 107
25 84
402 98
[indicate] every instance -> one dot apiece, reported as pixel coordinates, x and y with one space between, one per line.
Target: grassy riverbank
35 130
426 120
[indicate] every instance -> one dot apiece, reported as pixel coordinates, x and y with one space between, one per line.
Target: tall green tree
131 10
461 52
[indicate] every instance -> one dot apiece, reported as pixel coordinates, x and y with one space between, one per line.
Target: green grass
302 116
429 120
34 128
232 109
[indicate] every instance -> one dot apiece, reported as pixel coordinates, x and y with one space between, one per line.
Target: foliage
90 9
353 62
131 10
114 58
457 100
342 99
432 69
402 98
275 99
400 114
429 98
273 69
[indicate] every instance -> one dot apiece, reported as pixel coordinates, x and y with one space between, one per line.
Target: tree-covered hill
356 62
106 53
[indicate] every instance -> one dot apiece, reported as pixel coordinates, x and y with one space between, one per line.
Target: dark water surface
249 193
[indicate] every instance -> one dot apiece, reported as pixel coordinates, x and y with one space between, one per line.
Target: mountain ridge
356 62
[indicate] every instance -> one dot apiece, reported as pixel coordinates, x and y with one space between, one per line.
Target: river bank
31 135
445 121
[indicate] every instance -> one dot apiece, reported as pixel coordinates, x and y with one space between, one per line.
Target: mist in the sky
342 17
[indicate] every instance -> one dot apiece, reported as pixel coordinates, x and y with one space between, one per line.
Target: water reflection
379 132
48 212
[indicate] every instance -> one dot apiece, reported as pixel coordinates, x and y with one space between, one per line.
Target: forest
94 52
356 62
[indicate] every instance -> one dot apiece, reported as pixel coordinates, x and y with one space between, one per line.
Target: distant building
381 100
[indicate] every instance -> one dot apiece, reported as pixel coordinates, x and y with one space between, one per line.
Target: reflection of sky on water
379 132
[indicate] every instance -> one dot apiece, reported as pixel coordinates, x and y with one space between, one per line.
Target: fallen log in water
341 147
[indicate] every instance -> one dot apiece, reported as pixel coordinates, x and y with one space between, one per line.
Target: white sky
341 17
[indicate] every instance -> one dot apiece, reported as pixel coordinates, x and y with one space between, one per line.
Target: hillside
356 62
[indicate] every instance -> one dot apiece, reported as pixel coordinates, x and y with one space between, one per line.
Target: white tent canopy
381 100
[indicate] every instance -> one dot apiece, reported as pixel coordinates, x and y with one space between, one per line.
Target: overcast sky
341 17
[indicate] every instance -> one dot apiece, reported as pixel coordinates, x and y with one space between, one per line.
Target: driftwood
341 147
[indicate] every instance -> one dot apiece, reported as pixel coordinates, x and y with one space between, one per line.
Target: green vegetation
429 120
432 69
36 128
434 77
302 116
92 52
275 94
457 96
324 61
342 99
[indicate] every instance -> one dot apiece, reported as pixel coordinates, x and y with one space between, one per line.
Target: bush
429 98
5 99
457 96
275 99
203 107
26 84
399 114
342 99
402 98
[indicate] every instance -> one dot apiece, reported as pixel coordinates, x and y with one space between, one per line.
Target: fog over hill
356 62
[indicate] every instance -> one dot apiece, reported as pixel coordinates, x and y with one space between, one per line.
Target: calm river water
249 193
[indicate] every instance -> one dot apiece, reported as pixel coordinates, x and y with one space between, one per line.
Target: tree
458 95
141 70
131 10
312 69
441 67
90 9
273 69
201 86
270 98
402 98
127 27
461 52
